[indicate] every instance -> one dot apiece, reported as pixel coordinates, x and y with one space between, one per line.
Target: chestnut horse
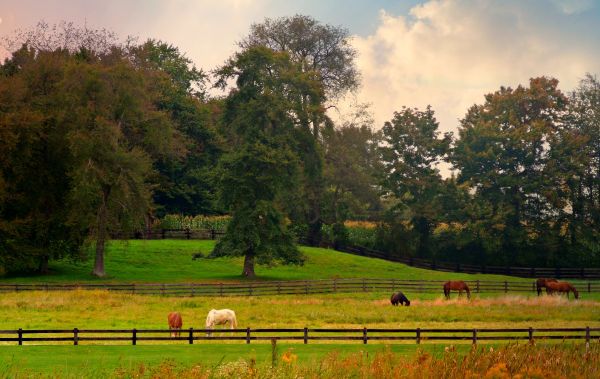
175 324
456 285
399 298
561 287
541 283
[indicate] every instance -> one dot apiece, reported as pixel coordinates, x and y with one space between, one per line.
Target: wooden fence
364 335
295 287
525 272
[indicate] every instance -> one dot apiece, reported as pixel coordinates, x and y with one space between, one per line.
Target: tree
117 132
259 118
34 163
323 50
504 154
186 184
410 153
352 170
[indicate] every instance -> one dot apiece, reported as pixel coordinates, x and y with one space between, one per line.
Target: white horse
220 317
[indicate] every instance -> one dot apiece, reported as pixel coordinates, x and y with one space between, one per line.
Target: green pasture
171 261
101 361
103 309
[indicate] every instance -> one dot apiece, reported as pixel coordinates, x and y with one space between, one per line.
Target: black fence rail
524 272
189 336
295 287
156 234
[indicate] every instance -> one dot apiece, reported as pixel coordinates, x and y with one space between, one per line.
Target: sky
443 53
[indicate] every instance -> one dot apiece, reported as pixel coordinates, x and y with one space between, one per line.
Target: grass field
102 309
171 261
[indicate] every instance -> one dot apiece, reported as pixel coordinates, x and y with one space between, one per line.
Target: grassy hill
171 261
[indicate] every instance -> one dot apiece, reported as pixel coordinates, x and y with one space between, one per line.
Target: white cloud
450 53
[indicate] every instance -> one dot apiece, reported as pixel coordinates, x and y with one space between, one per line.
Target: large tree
326 51
412 148
259 119
504 154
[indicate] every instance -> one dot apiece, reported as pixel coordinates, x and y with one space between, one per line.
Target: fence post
394 285
305 335
279 288
133 289
365 336
589 287
162 234
187 234
191 336
306 286
75 336
505 286
212 234
162 290
474 336
334 285
247 335
20 333
221 289
477 288
418 336
530 335
250 289
587 337
134 337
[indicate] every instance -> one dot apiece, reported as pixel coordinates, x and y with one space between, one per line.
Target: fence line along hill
524 272
292 287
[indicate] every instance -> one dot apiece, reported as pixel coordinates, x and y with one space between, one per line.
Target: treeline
99 136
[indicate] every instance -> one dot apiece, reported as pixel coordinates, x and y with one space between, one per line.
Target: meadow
171 261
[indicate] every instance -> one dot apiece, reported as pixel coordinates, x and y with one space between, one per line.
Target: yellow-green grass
102 309
102 361
566 360
171 261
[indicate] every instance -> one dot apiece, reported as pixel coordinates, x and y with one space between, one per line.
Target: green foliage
194 222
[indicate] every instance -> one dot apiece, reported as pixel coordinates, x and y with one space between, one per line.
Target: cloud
450 53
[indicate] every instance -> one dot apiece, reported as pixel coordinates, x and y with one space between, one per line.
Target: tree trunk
43 267
101 235
249 267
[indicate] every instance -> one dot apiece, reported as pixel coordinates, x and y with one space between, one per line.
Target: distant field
171 261
102 309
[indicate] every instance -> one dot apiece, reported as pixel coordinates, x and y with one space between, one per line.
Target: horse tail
234 323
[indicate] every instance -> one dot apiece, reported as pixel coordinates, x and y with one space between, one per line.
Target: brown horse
175 324
561 287
456 285
541 283
399 298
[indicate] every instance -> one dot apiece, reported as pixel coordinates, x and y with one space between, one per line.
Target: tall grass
512 361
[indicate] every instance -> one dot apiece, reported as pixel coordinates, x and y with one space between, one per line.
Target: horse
175 323
220 317
561 287
541 283
399 298
456 285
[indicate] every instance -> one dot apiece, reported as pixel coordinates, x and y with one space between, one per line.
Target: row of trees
99 136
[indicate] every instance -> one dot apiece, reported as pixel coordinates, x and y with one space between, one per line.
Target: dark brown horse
456 285
541 283
175 323
561 287
399 298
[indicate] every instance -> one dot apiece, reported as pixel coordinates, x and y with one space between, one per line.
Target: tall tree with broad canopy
505 155
410 152
326 51
260 117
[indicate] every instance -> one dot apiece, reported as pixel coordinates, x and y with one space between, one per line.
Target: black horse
399 298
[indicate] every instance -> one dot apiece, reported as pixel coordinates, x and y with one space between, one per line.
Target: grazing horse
220 317
541 283
399 298
456 285
561 287
175 323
